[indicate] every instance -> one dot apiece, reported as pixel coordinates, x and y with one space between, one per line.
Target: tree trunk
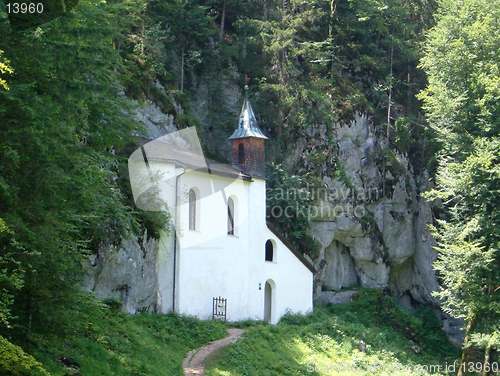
486 362
465 352
333 6
388 134
143 38
222 21
389 101
182 70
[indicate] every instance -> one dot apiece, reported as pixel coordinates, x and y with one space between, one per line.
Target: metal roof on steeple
247 124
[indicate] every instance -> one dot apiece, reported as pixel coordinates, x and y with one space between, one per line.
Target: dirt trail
194 362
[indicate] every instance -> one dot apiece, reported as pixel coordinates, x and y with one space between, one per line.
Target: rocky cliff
372 227
126 274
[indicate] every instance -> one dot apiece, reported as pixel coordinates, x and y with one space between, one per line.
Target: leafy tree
14 361
461 58
63 124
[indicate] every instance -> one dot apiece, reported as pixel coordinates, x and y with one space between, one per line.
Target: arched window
230 216
269 251
192 210
241 154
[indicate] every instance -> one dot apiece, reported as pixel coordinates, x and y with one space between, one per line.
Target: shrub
14 361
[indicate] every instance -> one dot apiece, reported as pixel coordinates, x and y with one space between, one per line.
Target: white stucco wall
293 281
212 263
164 177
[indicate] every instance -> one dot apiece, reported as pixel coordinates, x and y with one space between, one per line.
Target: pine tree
461 100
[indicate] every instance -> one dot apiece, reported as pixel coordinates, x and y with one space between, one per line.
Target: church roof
247 124
224 169
163 152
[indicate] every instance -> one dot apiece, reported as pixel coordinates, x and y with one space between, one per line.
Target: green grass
327 343
104 342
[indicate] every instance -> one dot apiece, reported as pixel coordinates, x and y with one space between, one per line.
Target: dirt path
194 362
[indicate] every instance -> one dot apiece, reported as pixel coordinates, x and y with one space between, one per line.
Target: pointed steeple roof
247 124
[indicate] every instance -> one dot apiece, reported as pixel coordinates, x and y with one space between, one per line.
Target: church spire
247 124
248 142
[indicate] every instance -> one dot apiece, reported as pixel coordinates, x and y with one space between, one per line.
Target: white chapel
219 259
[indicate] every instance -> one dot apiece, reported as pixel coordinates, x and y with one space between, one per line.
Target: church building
220 259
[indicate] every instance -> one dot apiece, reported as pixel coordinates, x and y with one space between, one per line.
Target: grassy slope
327 342
104 342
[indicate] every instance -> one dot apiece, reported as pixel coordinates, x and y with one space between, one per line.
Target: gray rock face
126 273
331 297
374 234
454 328
156 123
339 271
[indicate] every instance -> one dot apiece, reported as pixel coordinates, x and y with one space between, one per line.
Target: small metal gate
219 307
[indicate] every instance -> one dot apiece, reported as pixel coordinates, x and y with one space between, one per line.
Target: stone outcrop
126 274
155 122
374 234
340 297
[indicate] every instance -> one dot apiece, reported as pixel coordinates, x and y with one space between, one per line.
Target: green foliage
461 60
461 101
402 138
468 238
104 342
63 124
327 342
328 63
11 271
15 362
341 174
393 164
289 202
189 27
154 223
